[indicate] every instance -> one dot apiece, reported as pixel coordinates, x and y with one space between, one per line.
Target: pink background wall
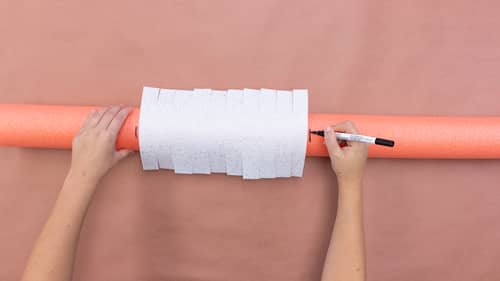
425 219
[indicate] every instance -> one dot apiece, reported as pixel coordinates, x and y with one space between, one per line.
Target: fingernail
328 129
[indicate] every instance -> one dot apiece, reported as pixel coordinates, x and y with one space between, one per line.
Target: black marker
358 138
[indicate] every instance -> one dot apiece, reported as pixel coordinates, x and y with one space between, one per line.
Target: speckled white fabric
250 133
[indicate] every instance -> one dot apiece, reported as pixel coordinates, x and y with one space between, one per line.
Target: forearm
53 255
346 254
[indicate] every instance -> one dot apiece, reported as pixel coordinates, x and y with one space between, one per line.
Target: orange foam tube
54 126
419 136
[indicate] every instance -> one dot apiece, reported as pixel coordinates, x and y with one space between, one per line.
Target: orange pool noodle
54 126
419 136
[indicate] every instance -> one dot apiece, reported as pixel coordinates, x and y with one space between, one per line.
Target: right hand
348 162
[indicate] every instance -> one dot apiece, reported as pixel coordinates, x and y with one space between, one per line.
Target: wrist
350 184
77 190
81 178
350 193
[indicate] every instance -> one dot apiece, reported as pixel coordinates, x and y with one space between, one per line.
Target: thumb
331 143
121 154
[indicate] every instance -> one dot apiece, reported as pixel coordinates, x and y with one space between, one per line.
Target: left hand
94 147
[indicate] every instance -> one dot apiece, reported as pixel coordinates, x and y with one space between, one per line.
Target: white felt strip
283 156
233 136
250 133
183 130
201 128
217 126
300 115
166 117
147 128
267 140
